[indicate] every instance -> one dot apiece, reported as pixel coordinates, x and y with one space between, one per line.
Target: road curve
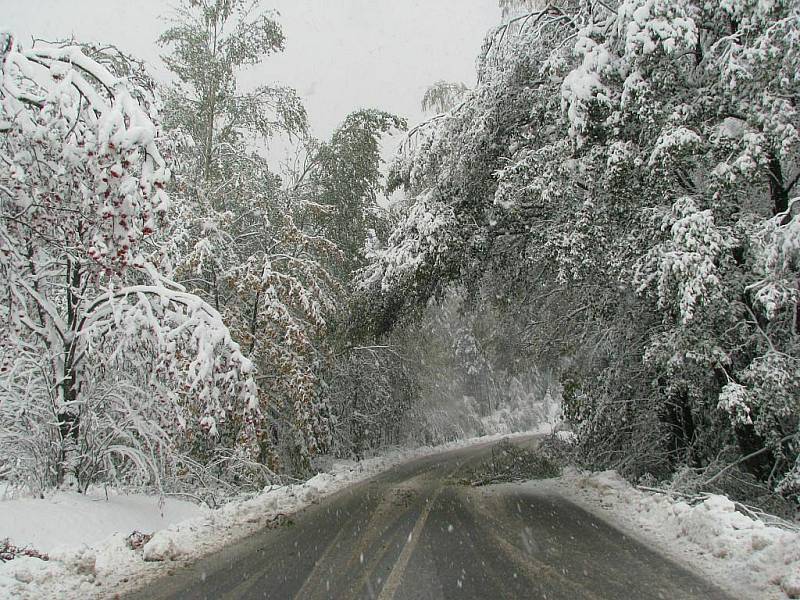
412 533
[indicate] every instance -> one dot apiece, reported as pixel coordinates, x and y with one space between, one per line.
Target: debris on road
510 463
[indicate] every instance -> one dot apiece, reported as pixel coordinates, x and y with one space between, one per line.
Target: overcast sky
340 54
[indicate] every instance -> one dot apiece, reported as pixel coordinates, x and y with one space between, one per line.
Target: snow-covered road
412 533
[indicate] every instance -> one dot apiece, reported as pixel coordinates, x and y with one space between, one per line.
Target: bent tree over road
414 532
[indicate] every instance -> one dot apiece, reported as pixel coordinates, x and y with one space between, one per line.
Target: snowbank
68 518
737 552
85 536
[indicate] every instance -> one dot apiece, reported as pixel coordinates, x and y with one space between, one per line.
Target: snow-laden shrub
105 364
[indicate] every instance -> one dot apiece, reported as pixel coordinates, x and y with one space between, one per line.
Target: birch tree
242 242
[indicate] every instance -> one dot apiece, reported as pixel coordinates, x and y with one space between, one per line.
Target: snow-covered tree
337 185
700 100
239 236
346 182
210 42
82 187
621 179
442 96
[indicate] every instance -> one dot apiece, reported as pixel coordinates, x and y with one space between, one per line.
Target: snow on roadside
737 552
83 534
85 538
65 518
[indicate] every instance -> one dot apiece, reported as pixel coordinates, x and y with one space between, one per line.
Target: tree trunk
69 424
678 416
777 187
69 413
749 442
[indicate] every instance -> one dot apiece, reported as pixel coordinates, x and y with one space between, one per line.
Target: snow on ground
68 517
85 535
740 554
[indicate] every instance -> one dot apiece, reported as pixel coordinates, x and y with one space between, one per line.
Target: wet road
412 533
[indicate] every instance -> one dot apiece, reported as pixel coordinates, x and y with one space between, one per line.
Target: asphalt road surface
414 533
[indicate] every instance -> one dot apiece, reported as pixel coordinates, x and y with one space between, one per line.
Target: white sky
340 54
